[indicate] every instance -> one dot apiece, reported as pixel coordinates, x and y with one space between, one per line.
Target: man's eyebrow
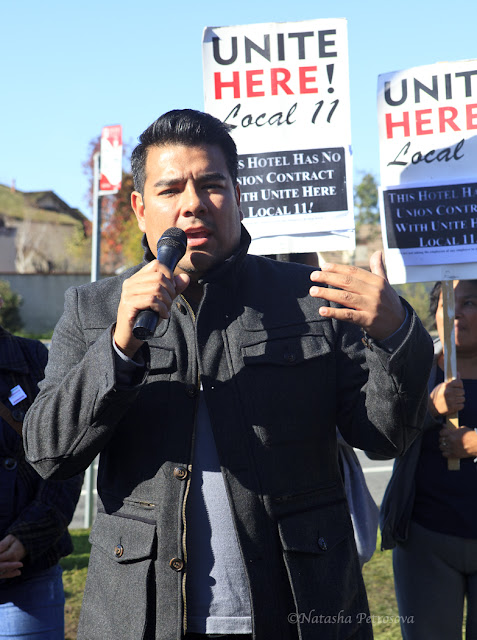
213 175
168 182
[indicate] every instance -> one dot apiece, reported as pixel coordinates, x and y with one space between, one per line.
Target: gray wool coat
277 378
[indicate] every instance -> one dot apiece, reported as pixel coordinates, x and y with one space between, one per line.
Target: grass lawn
75 567
377 576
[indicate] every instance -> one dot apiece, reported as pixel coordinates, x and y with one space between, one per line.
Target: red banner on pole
111 159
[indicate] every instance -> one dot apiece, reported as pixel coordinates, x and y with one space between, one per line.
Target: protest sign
428 147
284 90
427 125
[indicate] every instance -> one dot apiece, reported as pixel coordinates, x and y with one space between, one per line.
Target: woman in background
34 513
429 513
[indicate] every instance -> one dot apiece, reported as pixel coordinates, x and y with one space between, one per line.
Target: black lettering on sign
431 216
293 182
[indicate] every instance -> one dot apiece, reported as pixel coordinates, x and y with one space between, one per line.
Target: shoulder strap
5 413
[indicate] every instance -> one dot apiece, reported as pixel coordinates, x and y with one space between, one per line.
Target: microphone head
175 239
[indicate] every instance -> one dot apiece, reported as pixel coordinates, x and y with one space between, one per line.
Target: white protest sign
284 90
428 147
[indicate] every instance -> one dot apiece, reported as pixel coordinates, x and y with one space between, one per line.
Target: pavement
377 474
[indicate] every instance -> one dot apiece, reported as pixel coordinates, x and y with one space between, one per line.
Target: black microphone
171 246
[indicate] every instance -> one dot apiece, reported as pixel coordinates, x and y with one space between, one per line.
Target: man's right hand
153 287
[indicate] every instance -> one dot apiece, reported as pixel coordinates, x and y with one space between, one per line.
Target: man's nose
192 201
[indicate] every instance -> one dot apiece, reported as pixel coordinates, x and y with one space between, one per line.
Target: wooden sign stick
450 360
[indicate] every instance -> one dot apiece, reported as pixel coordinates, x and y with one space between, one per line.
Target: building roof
37 206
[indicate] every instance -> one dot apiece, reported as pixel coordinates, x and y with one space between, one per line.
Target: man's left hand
368 299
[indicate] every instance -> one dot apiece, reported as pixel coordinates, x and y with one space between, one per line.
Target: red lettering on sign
305 80
420 122
280 82
390 125
471 116
429 121
447 119
219 84
254 83
251 83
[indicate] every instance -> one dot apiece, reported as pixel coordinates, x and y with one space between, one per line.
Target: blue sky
70 68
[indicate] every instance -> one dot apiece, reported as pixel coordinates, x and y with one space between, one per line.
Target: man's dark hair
187 127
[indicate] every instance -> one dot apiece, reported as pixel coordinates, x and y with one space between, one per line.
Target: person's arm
382 395
61 431
45 519
80 401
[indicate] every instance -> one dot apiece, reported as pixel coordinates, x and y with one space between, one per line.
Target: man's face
190 188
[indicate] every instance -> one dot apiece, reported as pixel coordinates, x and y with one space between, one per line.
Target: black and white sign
284 90
428 145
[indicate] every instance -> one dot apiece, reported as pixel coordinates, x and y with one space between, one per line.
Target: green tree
9 308
417 294
121 234
366 201
79 248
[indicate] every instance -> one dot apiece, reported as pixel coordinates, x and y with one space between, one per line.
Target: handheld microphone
171 246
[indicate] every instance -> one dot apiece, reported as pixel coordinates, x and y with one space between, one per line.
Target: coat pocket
285 350
287 379
118 585
320 555
317 530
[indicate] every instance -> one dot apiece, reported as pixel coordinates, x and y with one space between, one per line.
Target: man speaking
221 511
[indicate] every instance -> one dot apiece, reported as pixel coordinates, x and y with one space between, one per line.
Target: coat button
191 390
10 464
118 550
289 357
177 564
18 415
322 544
180 473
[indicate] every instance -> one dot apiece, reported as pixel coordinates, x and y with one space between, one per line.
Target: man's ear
138 207
237 198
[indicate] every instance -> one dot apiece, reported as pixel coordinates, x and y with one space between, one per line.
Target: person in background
34 513
429 513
